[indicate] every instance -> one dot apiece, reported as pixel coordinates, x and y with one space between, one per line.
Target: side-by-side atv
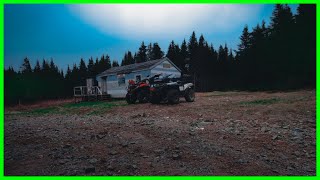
169 90
139 90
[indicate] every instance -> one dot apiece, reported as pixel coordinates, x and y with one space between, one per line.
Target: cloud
134 21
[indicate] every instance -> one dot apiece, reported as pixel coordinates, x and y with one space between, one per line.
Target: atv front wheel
189 96
131 98
143 97
173 96
155 99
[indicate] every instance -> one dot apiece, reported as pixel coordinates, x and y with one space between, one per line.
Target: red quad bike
138 91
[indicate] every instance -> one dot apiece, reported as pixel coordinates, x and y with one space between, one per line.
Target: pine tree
226 51
82 71
193 43
244 45
45 67
184 49
96 66
125 60
149 52
130 58
221 54
37 67
156 52
282 19
91 72
184 54
201 41
171 52
141 55
53 68
104 64
26 67
68 74
115 63
213 53
305 61
192 49
230 56
174 54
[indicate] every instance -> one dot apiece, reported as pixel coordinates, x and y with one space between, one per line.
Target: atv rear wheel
143 96
131 98
173 96
189 96
155 100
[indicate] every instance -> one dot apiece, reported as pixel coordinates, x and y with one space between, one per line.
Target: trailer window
121 81
166 65
138 78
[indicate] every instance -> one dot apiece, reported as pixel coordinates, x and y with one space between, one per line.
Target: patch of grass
92 108
95 104
225 93
42 111
261 101
88 108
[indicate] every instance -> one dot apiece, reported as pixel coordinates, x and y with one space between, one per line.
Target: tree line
279 56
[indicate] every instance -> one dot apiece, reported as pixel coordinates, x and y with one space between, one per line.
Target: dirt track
231 133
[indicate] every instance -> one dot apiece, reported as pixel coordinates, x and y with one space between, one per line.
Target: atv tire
173 96
142 98
155 100
189 96
131 98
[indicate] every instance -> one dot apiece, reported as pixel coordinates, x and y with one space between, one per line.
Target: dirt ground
221 133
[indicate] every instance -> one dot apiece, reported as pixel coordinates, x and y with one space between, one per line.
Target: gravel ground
221 133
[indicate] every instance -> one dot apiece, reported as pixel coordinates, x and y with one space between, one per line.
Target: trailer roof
135 67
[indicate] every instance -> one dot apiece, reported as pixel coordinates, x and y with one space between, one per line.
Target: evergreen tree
130 58
68 74
213 54
125 60
45 67
192 49
26 67
184 54
230 56
115 63
91 70
53 68
149 52
82 71
174 54
244 45
104 64
193 44
226 51
305 59
156 52
141 55
37 68
221 54
171 52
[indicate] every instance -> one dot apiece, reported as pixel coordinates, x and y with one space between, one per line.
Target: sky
66 33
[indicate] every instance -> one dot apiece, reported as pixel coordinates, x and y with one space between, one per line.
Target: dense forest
279 56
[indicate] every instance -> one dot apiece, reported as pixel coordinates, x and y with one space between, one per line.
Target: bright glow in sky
158 21
67 33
